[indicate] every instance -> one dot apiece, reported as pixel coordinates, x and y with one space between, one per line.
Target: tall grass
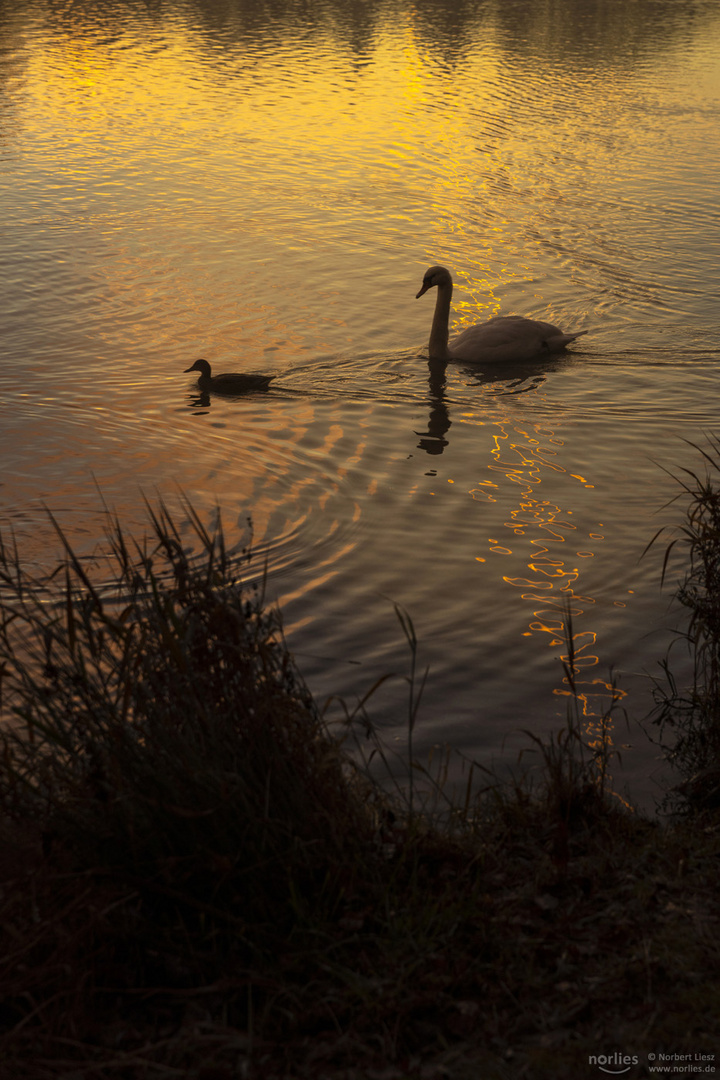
688 716
197 880
560 780
575 772
157 727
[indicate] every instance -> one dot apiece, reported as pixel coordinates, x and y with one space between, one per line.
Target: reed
688 716
198 880
157 728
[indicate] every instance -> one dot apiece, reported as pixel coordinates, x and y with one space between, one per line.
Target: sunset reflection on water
264 187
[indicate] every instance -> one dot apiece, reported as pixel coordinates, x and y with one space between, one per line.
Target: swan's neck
439 333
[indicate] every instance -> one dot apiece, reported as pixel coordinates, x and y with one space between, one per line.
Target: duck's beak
423 290
189 369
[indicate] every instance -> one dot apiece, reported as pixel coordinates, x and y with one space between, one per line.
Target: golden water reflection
261 184
360 127
522 455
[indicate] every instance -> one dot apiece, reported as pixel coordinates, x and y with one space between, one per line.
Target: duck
504 339
230 383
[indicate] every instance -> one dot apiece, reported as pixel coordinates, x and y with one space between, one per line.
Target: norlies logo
613 1064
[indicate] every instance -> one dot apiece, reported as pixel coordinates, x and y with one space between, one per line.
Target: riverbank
200 880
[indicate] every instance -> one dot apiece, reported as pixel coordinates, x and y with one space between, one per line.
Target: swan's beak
423 290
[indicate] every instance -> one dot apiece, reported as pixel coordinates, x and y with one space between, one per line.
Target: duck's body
506 339
231 383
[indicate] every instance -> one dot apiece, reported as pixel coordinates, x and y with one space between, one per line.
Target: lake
264 185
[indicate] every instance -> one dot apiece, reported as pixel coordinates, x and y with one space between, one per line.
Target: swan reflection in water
512 380
511 341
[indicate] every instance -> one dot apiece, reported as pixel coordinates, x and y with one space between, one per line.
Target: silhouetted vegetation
200 880
688 717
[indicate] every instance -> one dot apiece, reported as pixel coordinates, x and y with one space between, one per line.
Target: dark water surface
264 185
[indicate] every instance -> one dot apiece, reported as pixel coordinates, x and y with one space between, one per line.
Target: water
264 186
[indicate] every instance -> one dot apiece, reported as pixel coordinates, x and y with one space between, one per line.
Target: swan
231 383
506 338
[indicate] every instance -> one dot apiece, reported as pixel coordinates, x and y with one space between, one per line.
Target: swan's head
200 365
436 275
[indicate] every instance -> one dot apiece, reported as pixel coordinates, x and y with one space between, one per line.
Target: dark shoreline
199 881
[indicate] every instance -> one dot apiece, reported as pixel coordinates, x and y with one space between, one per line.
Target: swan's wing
508 338
502 338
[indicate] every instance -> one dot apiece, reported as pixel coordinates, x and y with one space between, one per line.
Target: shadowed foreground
199 880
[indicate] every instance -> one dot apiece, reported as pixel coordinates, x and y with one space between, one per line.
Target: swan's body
504 339
232 383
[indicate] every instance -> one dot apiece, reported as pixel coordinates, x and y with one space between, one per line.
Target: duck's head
436 275
200 365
